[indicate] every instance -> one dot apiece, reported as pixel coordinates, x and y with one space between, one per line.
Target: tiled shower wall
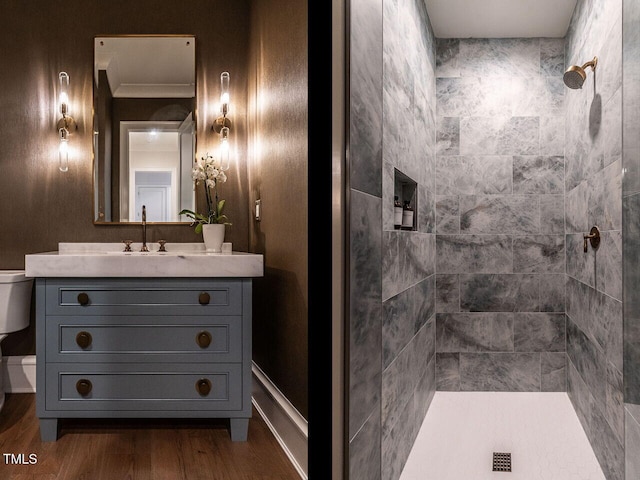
631 232
500 173
593 185
408 260
392 279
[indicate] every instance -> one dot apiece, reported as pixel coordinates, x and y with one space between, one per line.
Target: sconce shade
66 124
63 150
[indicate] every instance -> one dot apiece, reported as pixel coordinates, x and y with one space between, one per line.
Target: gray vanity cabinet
145 347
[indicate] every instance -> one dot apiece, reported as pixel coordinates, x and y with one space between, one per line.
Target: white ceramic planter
213 235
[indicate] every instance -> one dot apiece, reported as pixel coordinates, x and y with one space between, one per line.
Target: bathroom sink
109 260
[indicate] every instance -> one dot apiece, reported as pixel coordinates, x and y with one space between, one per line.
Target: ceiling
500 18
147 66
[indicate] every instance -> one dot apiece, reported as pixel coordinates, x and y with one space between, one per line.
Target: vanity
143 334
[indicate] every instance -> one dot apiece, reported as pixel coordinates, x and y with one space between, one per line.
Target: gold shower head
575 76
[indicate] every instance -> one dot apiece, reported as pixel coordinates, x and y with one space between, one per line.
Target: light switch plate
258 212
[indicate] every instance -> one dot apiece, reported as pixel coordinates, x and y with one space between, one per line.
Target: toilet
15 308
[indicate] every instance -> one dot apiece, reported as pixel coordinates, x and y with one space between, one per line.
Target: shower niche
405 202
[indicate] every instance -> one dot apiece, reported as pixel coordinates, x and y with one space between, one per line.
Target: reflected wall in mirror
144 127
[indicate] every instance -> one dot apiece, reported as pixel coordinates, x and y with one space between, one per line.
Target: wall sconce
66 125
222 123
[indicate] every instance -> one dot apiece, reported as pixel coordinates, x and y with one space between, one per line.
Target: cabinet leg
49 429
239 429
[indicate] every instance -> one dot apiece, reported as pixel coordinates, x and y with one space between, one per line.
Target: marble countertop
109 260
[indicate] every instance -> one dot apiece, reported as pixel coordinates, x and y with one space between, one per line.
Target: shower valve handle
593 237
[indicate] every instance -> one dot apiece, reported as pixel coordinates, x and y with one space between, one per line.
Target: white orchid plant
210 171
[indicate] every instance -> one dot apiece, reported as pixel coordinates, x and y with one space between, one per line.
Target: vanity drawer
155 296
143 338
144 387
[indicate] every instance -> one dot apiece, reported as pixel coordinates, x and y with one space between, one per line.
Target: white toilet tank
15 300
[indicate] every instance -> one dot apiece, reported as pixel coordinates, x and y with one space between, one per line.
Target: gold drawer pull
203 386
83 386
83 299
203 339
204 298
84 339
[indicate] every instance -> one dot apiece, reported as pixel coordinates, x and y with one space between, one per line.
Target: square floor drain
501 462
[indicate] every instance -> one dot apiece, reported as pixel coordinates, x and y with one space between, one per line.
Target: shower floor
462 430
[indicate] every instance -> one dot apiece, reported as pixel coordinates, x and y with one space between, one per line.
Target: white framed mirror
144 127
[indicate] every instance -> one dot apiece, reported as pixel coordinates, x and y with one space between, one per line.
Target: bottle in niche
407 216
397 213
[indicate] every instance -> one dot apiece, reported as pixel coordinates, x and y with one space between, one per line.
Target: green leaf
198 228
220 207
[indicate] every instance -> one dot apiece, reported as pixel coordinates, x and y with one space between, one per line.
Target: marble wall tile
447 53
454 97
425 210
608 263
408 257
503 214
612 129
579 297
404 315
365 451
539 332
499 57
536 96
613 409
631 360
538 254
424 392
609 451
579 395
552 57
474 254
447 214
365 316
499 135
553 372
632 447
474 175
599 316
408 388
397 388
514 372
551 135
588 360
448 372
366 103
552 292
552 214
447 293
397 442
605 199
577 209
474 332
448 136
580 264
538 174
499 293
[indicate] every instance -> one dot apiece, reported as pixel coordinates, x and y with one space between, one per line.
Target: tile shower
493 291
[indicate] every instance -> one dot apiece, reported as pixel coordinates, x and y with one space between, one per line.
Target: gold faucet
144 230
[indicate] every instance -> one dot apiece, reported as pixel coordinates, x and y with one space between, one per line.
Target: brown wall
277 112
39 205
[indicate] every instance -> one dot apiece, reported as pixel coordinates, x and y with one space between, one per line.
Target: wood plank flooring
132 449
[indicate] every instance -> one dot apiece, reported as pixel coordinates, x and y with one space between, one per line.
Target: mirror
144 127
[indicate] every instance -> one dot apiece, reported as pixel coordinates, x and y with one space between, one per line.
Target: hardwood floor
131 449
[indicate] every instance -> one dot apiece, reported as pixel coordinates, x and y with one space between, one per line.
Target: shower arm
591 63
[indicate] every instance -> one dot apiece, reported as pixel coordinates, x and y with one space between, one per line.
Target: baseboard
285 422
19 374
